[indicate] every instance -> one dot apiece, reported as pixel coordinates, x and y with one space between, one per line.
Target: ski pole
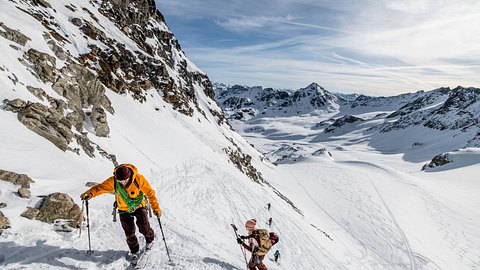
241 248
90 251
163 236
149 207
81 221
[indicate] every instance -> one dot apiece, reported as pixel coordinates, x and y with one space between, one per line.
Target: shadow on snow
54 255
222 264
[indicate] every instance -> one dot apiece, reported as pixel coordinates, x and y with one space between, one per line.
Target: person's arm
253 245
247 247
149 192
106 187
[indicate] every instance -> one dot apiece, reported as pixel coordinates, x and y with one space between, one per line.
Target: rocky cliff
75 52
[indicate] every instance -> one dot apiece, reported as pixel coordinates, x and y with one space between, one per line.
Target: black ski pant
128 225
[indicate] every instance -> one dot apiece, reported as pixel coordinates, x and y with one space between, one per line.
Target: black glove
239 241
255 249
244 236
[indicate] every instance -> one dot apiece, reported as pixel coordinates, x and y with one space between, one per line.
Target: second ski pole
90 251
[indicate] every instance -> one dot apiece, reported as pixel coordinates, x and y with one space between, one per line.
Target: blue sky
376 47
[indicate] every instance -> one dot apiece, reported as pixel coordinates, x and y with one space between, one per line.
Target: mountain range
454 111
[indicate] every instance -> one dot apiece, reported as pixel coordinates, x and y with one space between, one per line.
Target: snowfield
361 209
352 199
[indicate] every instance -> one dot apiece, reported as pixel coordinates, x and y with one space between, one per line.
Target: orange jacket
108 186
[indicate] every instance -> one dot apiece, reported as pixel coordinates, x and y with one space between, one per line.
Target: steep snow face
69 70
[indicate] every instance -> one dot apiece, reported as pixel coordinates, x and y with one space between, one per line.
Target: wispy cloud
250 23
371 46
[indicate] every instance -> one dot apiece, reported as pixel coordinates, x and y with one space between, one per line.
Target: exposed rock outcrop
91 184
44 65
438 160
242 102
45 121
83 90
243 163
38 92
13 35
24 193
475 141
56 206
347 119
16 178
4 222
99 121
50 123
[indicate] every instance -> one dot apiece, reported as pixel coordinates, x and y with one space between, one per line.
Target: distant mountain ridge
242 102
441 109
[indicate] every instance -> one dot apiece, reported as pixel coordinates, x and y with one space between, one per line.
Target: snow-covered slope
450 116
89 84
361 171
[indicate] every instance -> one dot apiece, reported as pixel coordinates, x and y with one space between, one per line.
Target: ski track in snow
458 241
405 240
392 217
372 211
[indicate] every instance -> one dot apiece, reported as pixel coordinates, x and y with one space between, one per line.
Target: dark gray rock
438 160
24 193
99 122
58 105
38 92
44 65
91 184
15 105
47 123
3 205
82 88
13 35
57 50
59 206
42 3
16 178
76 118
30 213
4 222
347 119
86 144
76 21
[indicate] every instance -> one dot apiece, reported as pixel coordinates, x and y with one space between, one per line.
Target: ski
134 262
142 260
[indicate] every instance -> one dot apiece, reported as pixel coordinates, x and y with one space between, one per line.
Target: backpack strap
115 203
136 183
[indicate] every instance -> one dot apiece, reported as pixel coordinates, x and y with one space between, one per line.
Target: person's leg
128 226
143 225
251 264
261 265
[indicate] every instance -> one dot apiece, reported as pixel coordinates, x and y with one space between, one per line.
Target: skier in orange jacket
130 189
